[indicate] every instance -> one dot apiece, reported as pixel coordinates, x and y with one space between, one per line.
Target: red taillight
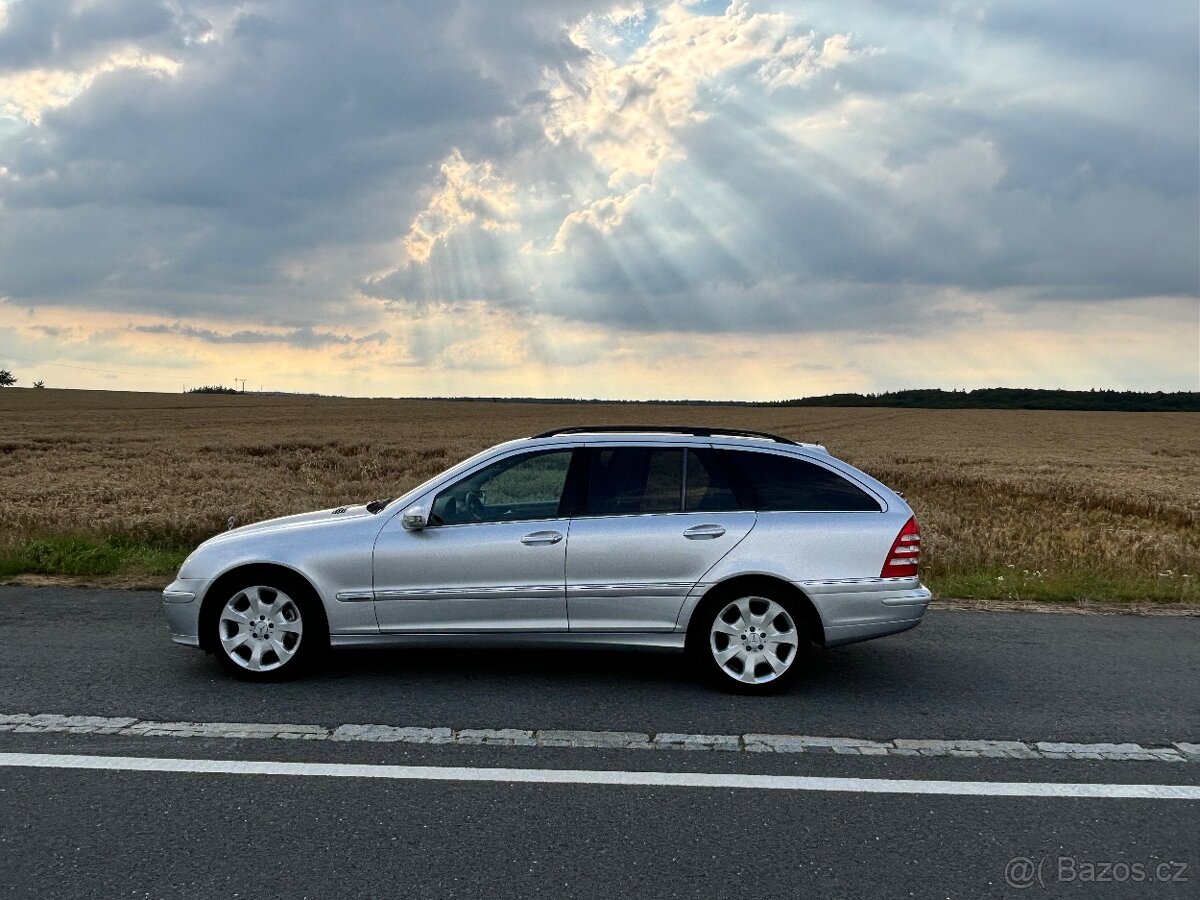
905 555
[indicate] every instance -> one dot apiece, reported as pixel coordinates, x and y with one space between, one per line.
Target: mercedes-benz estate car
743 549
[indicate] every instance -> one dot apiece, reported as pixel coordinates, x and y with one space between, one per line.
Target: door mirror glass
413 518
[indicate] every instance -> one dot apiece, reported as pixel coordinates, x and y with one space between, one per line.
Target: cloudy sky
566 198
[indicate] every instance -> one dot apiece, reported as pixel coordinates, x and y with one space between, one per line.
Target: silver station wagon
741 548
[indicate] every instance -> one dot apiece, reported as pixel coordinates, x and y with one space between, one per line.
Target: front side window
631 480
775 483
527 486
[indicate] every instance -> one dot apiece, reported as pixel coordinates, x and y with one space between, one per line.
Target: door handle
703 532
541 537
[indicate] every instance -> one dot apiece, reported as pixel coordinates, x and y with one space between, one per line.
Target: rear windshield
772 483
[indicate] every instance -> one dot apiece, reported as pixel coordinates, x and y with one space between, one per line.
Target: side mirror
413 518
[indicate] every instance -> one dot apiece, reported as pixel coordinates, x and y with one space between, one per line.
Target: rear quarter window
775 483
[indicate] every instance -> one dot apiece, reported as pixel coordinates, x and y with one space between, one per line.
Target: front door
643 541
491 559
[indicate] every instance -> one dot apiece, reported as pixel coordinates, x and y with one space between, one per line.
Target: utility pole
243 381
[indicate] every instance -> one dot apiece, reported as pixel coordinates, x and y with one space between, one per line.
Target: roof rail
665 429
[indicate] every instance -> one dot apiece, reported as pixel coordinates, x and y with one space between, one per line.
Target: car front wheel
751 642
267 632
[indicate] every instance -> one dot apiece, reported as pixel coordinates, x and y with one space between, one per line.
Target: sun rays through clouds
747 199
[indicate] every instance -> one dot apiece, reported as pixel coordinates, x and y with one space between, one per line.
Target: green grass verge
131 562
81 556
1065 587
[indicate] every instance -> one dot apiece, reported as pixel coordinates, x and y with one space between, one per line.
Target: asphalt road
1018 676
104 833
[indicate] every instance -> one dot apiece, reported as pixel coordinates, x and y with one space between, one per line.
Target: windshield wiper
376 505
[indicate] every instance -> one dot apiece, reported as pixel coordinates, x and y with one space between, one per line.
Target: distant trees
212 389
1014 398
7 379
39 384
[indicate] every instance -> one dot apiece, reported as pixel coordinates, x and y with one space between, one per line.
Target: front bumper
181 605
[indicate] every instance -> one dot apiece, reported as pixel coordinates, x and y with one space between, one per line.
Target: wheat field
1012 504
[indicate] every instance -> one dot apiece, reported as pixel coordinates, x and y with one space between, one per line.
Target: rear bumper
862 609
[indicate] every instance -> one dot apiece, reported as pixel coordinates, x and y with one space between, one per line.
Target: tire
753 624
268 628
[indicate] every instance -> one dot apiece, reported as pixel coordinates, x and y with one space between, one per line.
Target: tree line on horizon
1013 398
1094 400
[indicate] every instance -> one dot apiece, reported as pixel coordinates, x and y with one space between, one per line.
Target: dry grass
1013 504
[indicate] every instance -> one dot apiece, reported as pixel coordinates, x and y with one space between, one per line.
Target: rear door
643 541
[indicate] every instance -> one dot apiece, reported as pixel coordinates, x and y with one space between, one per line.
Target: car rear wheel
752 642
267 632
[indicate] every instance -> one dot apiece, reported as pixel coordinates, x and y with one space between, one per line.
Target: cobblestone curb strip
46 723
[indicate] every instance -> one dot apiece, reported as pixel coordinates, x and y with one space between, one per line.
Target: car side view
743 549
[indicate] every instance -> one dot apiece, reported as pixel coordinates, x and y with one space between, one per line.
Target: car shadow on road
893 669
498 665
874 690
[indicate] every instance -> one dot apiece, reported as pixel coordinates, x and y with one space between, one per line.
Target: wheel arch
241 574
737 583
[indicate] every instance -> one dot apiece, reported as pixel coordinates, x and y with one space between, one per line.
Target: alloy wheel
260 628
754 640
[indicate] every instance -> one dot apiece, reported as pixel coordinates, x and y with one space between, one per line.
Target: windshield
420 488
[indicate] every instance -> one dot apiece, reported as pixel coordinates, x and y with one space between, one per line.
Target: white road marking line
585 777
601 777
596 740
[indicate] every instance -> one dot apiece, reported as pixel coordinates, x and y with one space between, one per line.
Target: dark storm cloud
271 141
1104 32
63 33
301 127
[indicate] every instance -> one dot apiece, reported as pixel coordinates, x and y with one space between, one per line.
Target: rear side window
708 487
631 480
774 483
